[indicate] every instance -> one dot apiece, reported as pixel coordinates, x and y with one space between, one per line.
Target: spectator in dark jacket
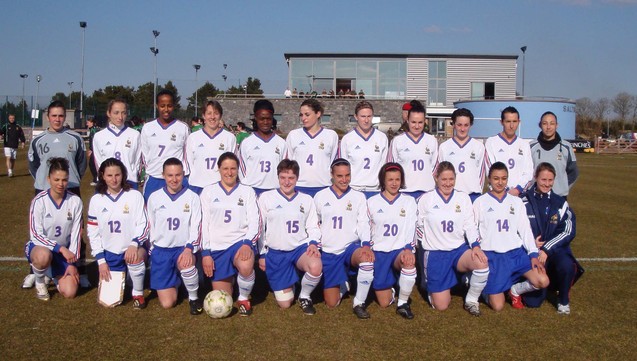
13 135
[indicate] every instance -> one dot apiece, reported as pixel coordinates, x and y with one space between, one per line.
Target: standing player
118 228
465 153
119 141
549 147
163 138
346 241
231 226
57 141
175 229
55 225
13 134
393 224
366 149
262 151
313 147
508 242
291 239
553 225
511 150
416 152
204 147
451 242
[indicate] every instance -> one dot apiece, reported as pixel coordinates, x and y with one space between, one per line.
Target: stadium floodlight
197 67
155 50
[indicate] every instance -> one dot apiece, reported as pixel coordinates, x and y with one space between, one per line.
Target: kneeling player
393 219
55 225
291 239
118 228
230 219
175 229
345 237
508 242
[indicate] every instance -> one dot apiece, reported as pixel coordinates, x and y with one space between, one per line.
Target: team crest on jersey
301 209
126 209
240 203
458 210
277 150
128 143
69 216
559 156
473 155
186 208
427 151
70 147
512 210
520 152
376 148
221 146
402 212
173 137
554 219
322 146
349 206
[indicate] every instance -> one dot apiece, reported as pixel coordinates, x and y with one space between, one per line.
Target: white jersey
443 224
289 223
343 219
366 157
116 222
162 142
503 224
123 144
54 226
517 157
469 161
202 152
418 159
314 155
393 224
259 158
229 217
175 219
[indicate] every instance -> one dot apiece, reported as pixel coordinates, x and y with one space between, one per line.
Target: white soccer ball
218 304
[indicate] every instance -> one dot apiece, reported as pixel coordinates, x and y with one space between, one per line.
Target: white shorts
10 152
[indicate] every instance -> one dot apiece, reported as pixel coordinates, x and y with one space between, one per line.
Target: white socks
522 288
190 276
137 272
364 282
476 284
245 286
308 283
406 283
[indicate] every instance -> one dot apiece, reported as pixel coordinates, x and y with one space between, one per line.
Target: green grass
601 325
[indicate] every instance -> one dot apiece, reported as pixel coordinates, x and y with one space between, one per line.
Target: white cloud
433 29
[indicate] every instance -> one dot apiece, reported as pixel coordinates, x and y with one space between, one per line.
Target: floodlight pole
523 67
70 83
197 67
83 26
24 103
155 50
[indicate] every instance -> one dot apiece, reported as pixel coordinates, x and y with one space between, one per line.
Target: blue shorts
280 267
58 263
336 266
163 268
152 184
115 262
311 191
505 269
441 268
224 262
385 276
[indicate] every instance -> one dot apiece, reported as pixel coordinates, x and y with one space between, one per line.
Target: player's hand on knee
478 255
537 265
367 255
68 255
130 256
245 253
71 271
105 272
407 258
185 259
262 264
313 251
208 265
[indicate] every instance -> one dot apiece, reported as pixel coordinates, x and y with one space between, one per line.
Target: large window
482 90
437 92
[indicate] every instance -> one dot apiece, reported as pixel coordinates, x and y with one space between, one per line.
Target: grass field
602 324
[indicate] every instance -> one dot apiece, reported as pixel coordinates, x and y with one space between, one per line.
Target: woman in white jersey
55 225
449 236
118 228
313 147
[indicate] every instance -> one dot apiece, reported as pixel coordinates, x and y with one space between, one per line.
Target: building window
326 119
483 90
437 92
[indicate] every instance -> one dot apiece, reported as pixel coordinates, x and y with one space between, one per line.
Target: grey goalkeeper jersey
49 144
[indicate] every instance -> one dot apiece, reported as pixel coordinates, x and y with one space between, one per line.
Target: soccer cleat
516 301
245 309
42 291
361 312
10 173
29 281
139 303
563 309
404 311
473 308
196 307
307 306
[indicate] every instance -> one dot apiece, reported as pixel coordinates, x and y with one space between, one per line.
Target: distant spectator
241 132
196 123
287 93
295 93
13 134
361 94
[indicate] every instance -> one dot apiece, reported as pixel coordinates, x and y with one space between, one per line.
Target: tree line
608 117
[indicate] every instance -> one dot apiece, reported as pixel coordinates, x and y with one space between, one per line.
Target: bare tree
600 109
584 108
622 104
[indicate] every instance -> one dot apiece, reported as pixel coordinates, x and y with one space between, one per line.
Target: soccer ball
218 304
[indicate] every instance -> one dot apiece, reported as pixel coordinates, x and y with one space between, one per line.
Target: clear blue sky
576 48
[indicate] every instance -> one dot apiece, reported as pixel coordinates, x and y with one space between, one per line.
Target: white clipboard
111 293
